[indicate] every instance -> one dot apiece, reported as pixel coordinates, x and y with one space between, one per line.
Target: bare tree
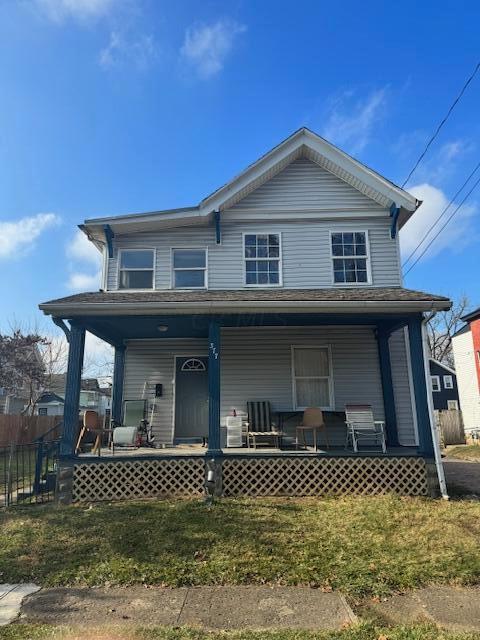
442 327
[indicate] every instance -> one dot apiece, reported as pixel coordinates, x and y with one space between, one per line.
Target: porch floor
198 450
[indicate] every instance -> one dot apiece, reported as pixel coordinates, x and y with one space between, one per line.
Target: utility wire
437 131
440 216
443 227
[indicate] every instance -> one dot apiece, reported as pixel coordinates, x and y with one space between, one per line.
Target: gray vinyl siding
401 378
256 365
305 184
306 261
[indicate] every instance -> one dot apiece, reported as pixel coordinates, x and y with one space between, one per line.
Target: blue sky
116 106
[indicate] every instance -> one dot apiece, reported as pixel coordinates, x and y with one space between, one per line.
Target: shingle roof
332 294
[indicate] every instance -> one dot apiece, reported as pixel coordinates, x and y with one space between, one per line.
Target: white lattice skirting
269 476
128 480
323 476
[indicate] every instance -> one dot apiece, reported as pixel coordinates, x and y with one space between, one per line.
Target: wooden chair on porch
91 425
260 427
312 421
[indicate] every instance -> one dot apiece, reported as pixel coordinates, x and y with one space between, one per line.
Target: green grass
465 452
365 631
363 546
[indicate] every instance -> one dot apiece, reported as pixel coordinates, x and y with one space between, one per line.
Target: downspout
436 440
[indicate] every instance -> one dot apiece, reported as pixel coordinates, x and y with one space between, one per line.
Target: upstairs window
448 382
262 257
189 268
136 269
349 252
436 383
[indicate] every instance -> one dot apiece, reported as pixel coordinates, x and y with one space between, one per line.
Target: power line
440 216
437 131
442 228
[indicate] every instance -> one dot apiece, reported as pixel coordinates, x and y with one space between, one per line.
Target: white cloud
79 281
85 257
19 236
458 234
122 49
80 248
82 10
206 47
351 123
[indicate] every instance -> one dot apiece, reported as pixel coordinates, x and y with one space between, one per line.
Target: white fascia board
265 306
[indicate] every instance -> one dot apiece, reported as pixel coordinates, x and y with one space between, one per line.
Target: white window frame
367 257
154 265
280 261
454 402
296 407
437 378
448 382
173 269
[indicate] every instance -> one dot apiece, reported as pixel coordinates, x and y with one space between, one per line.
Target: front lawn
464 452
365 631
363 546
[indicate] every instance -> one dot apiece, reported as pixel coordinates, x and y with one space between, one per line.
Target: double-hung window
189 268
436 383
262 255
448 382
136 269
350 256
312 377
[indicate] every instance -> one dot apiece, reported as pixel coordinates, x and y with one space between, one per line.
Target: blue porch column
117 386
214 388
383 335
425 441
72 389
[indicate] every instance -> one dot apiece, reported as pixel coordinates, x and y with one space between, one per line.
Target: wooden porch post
72 389
420 387
117 386
383 335
214 388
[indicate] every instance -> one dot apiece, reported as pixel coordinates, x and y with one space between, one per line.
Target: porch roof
333 299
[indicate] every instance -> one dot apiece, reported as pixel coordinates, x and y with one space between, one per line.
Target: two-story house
466 352
284 285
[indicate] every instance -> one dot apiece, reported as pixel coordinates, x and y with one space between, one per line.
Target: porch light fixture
162 328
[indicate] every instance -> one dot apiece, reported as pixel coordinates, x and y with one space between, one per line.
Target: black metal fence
28 472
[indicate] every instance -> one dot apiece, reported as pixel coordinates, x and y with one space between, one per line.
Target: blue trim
214 388
420 387
117 386
61 323
218 233
109 235
394 213
72 389
383 335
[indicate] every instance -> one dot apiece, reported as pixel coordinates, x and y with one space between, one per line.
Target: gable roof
473 315
301 144
444 366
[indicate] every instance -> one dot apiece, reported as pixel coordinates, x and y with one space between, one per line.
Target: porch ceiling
117 329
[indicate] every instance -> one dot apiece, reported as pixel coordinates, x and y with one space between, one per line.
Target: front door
191 397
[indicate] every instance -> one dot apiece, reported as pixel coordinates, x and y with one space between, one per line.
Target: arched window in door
193 364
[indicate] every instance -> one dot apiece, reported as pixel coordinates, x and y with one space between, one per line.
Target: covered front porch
368 353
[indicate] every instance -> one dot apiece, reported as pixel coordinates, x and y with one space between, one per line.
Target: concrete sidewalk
225 607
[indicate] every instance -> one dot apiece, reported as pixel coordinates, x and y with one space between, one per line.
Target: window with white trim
448 382
189 268
452 405
349 252
262 257
436 383
42 411
312 377
136 269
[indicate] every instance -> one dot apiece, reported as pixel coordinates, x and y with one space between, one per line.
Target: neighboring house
92 396
466 352
444 386
284 285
